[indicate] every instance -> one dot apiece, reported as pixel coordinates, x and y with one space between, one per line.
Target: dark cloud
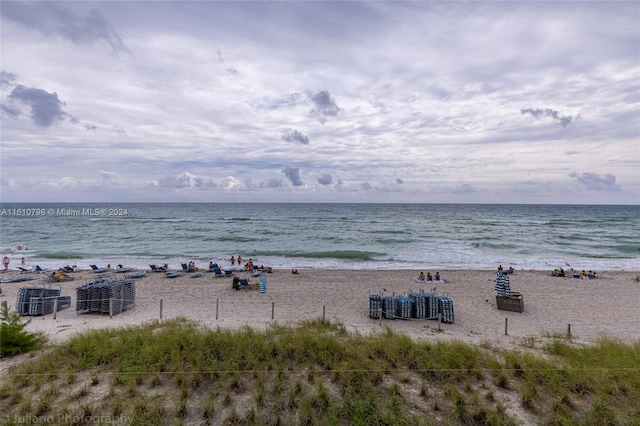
399 181
54 19
220 57
564 120
325 105
293 174
295 136
595 182
46 108
232 71
90 126
7 78
325 179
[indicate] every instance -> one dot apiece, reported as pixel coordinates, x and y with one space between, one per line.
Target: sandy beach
594 308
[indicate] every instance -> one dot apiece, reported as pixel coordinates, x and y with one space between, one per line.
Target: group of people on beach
429 277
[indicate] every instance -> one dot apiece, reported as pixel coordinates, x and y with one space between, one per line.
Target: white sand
607 306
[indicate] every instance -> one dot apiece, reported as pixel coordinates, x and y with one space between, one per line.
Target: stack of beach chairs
419 305
503 286
375 305
40 300
389 307
445 309
425 305
95 296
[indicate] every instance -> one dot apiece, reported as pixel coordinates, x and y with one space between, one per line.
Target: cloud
46 108
293 174
50 18
108 176
399 181
7 78
186 180
231 183
564 120
325 179
220 57
272 183
287 102
325 105
13 112
594 182
295 136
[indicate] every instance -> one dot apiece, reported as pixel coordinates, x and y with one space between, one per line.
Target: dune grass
316 373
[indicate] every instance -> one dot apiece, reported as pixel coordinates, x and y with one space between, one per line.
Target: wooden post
273 308
111 307
323 312
160 308
217 300
506 326
55 307
568 330
439 320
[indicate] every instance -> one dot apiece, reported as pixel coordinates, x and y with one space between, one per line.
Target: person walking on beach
6 262
239 260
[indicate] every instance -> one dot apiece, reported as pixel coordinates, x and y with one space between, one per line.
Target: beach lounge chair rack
94 296
40 300
418 305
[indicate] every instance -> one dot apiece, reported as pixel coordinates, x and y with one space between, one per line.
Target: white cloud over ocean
523 102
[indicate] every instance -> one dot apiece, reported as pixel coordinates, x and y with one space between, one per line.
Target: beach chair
137 275
99 270
173 274
23 269
39 269
218 272
155 268
68 268
186 268
19 278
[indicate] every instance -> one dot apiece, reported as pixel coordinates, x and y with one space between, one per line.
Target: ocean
421 237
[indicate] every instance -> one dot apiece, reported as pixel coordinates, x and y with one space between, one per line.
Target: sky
332 101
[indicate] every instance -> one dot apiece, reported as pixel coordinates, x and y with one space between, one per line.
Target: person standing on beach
239 260
233 260
6 262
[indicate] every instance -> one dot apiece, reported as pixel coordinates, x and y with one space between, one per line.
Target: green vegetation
316 373
14 339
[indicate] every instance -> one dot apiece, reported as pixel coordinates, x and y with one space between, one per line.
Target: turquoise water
352 236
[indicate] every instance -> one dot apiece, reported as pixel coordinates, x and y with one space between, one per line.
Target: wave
61 255
235 239
334 254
